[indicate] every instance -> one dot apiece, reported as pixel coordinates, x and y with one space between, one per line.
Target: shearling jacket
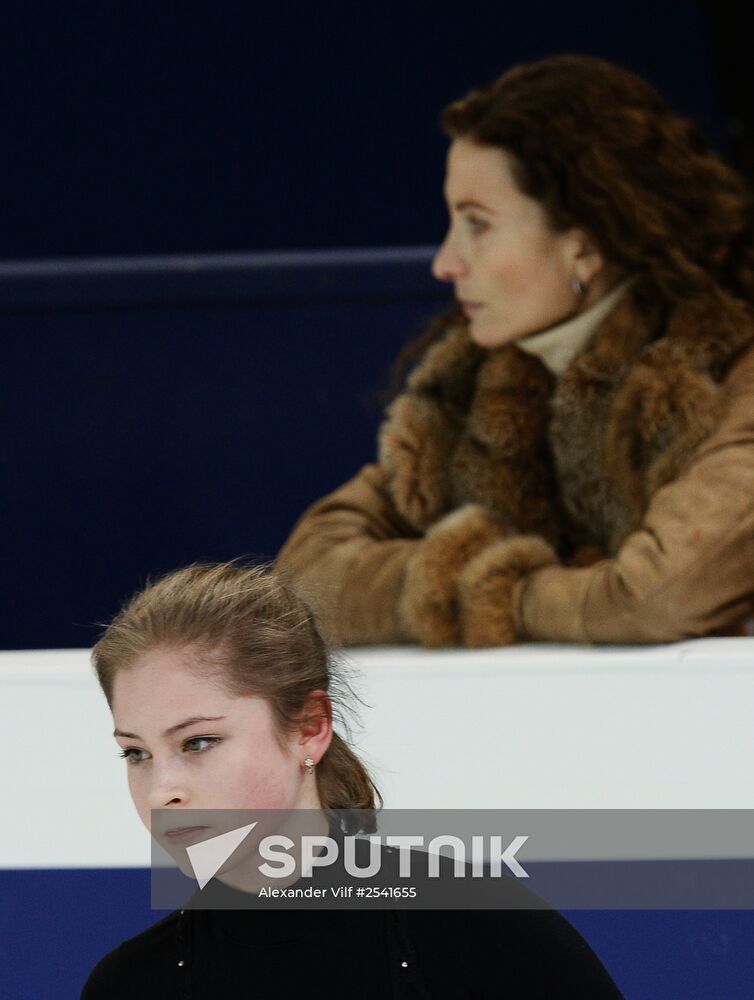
614 504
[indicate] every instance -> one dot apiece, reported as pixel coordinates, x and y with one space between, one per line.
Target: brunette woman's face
190 744
512 273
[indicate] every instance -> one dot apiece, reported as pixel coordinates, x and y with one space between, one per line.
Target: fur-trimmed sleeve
687 571
347 558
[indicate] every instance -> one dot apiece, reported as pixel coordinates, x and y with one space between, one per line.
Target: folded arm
687 571
347 558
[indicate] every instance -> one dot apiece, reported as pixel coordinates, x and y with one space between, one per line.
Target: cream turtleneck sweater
557 346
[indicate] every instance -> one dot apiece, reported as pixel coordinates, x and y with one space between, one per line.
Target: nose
447 265
168 788
164 798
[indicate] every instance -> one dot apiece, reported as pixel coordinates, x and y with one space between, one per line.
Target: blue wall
158 413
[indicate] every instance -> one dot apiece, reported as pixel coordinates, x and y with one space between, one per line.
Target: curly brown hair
601 149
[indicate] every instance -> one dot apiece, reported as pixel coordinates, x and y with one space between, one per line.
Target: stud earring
579 287
309 765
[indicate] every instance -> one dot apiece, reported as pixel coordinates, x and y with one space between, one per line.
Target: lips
470 307
185 834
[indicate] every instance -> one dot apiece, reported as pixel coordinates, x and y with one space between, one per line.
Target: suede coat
613 504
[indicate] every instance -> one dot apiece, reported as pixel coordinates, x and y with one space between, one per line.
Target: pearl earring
309 765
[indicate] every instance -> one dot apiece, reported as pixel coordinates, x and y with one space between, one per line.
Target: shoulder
141 966
514 939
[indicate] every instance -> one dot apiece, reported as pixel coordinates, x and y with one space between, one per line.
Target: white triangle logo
210 855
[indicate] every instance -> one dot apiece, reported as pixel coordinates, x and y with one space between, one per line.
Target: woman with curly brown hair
572 457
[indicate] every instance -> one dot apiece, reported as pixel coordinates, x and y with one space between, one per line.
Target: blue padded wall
161 412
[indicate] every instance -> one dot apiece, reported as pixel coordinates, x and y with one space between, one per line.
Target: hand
459 584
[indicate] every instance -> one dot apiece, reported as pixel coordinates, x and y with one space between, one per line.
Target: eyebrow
176 728
470 203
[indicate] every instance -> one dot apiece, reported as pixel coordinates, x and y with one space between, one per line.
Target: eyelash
476 225
128 753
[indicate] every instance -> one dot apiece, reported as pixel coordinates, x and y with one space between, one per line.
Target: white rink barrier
535 726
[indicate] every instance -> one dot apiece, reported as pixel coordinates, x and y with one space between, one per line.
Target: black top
380 954
197 954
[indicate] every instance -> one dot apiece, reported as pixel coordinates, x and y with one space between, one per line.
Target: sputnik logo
208 856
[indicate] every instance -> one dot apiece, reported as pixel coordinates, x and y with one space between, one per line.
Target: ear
585 259
315 725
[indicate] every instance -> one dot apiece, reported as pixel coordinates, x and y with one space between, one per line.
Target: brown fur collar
575 462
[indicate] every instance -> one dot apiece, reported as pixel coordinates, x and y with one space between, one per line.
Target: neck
247 877
556 346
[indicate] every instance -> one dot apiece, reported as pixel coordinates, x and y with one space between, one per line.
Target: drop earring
309 765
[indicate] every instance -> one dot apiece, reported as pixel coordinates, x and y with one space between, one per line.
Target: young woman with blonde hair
221 691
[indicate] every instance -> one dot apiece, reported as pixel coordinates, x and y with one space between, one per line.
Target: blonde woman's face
512 274
189 744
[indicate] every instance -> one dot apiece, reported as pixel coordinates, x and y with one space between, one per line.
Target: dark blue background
159 414
151 128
